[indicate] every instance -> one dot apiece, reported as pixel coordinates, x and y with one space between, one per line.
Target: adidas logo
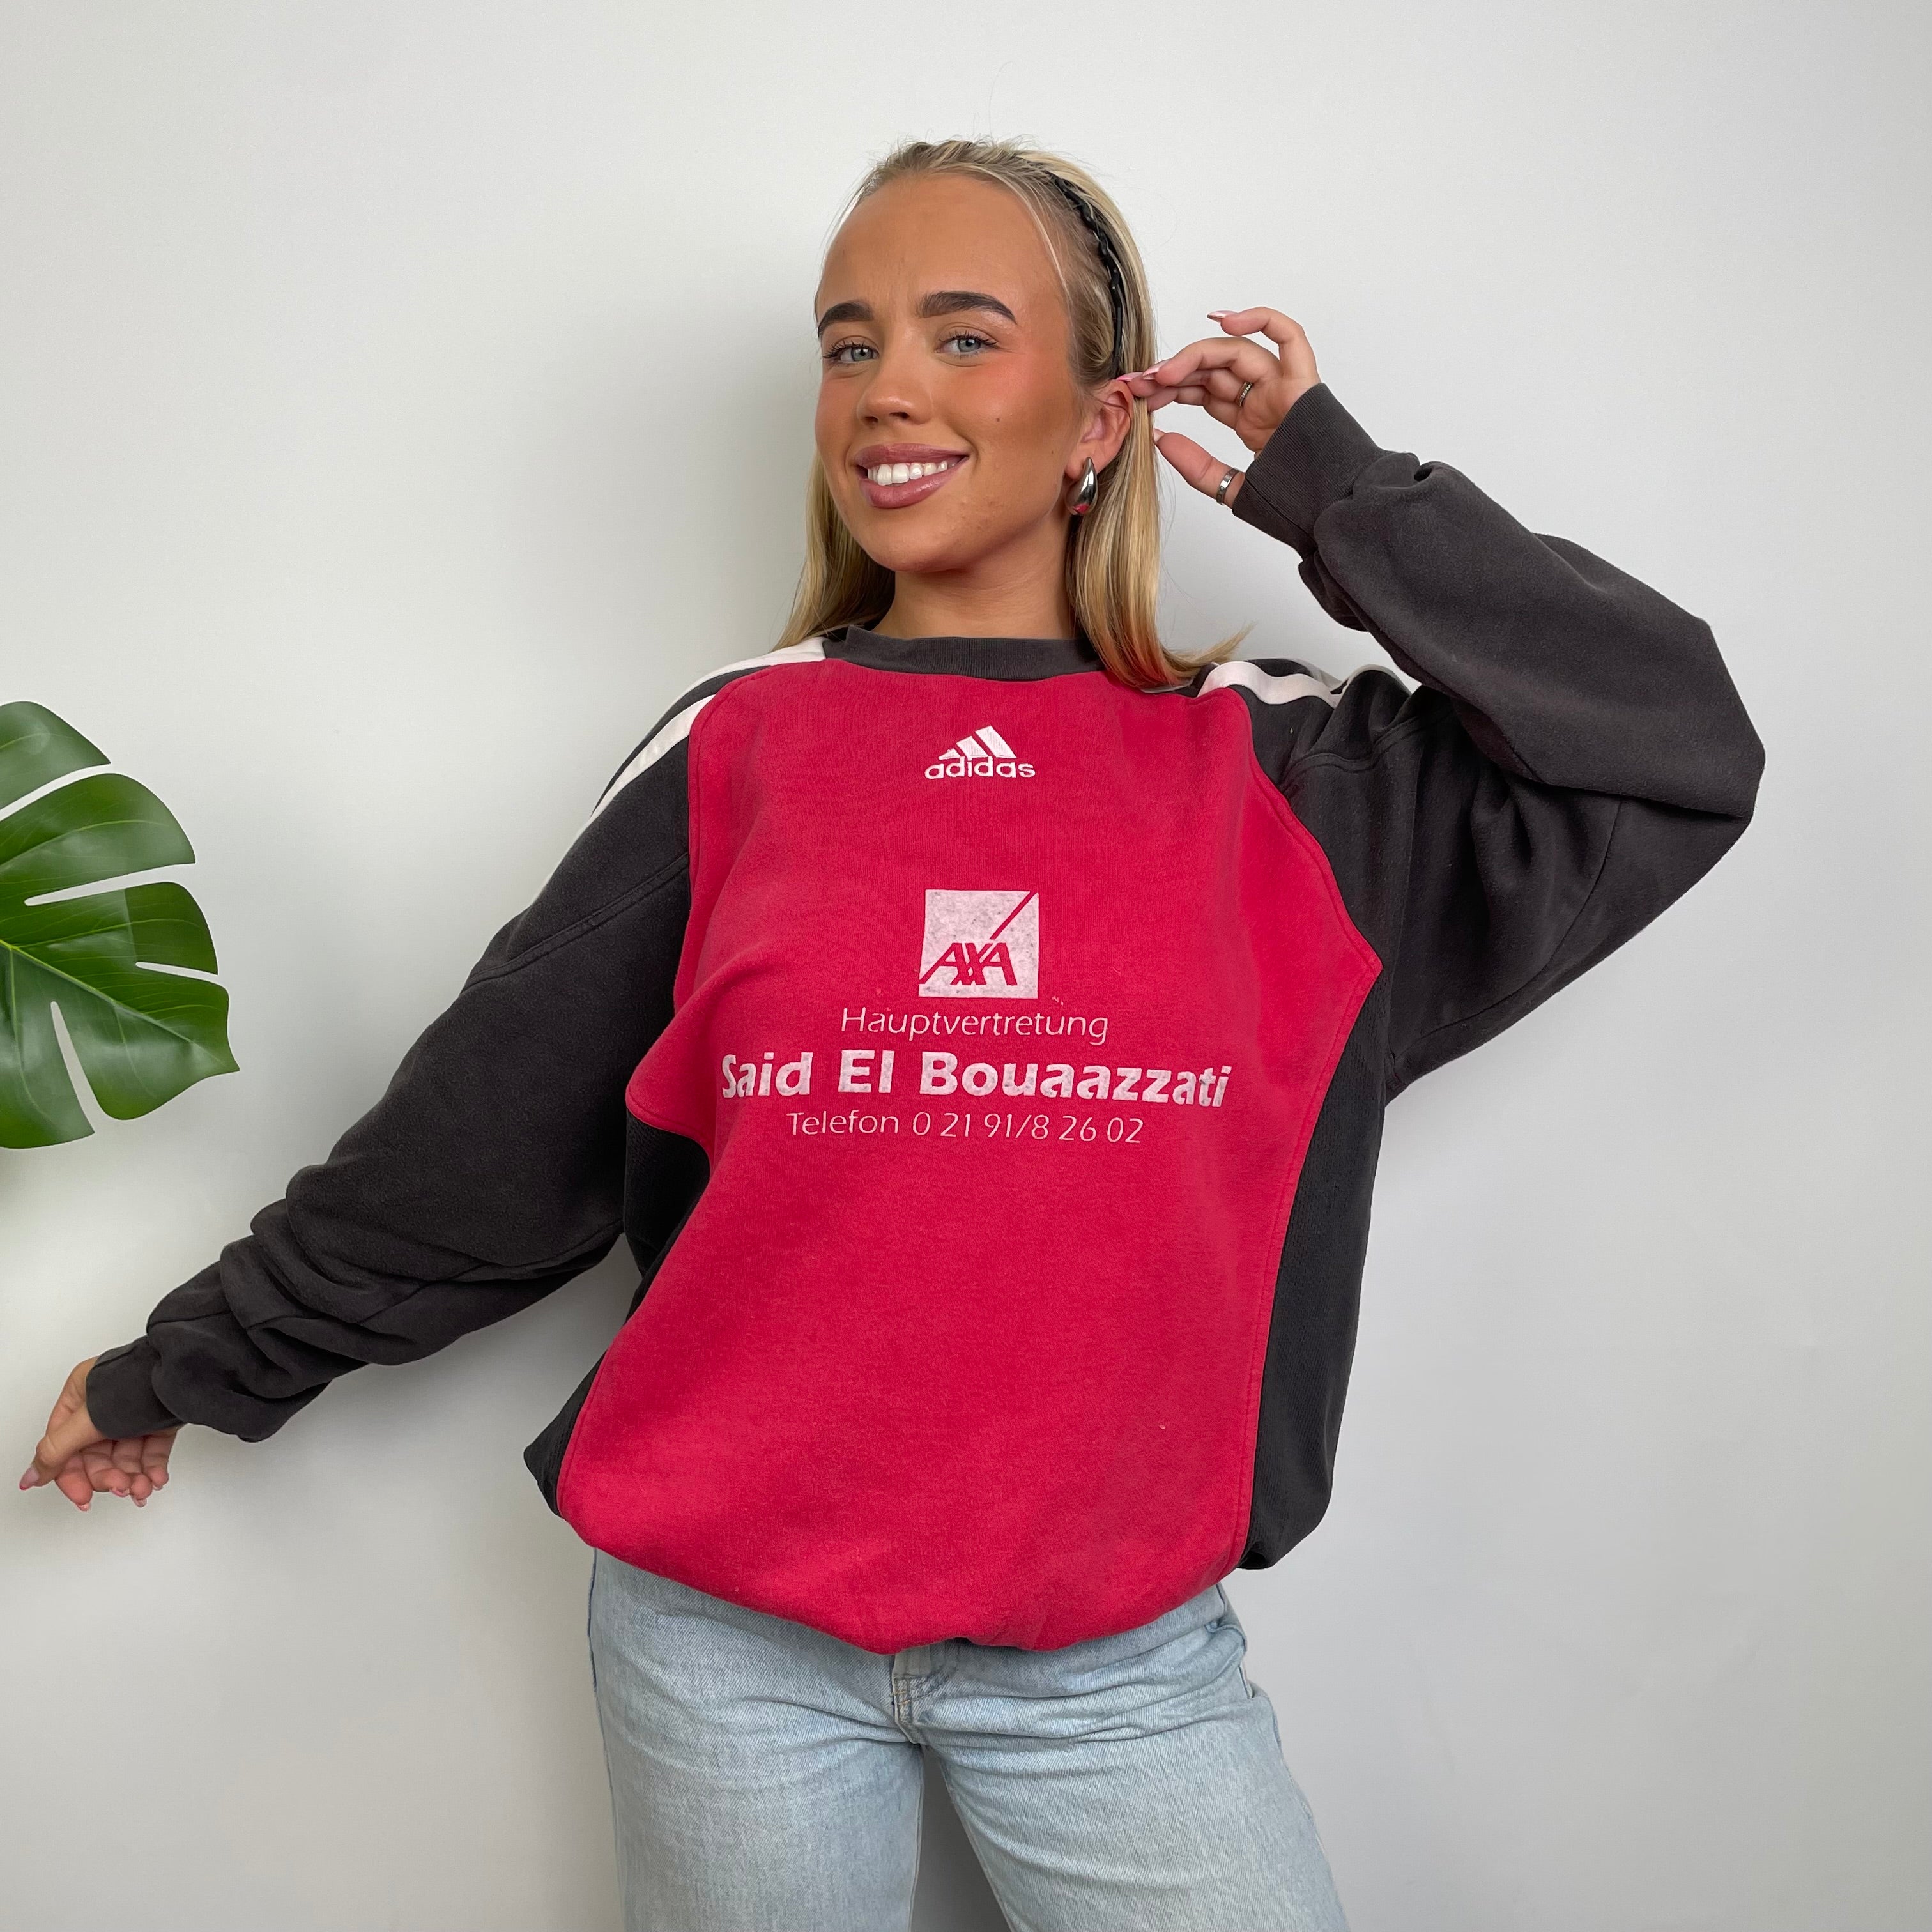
982 753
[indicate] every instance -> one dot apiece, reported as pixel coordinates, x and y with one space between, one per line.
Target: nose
896 392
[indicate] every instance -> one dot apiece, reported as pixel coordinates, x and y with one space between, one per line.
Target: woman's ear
1106 430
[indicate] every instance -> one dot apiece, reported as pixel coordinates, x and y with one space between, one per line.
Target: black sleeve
489 1172
1576 756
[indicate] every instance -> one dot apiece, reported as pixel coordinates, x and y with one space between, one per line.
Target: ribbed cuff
1311 460
121 1394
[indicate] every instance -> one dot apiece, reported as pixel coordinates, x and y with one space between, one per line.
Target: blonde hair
1113 554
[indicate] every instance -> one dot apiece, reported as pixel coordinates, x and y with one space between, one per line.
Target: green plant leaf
143 1036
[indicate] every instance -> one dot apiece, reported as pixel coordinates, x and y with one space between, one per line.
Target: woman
979 1019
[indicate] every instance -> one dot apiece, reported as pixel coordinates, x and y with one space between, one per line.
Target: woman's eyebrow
953 302
844 311
941 301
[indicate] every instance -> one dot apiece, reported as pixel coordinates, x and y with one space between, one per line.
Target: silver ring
1244 396
1221 494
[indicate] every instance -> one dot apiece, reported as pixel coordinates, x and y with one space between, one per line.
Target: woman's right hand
77 1460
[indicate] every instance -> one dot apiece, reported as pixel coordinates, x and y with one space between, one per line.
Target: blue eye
966 342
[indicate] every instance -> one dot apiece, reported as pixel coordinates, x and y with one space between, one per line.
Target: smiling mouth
909 472
893 486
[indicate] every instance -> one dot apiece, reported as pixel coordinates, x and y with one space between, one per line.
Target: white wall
401 401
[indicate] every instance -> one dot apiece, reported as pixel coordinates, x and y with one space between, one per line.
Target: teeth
907 472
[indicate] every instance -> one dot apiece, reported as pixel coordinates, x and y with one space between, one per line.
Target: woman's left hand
1210 375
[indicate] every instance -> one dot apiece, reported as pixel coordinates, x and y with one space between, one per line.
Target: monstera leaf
143 1036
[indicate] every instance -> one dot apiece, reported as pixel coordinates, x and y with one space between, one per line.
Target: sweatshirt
985 1063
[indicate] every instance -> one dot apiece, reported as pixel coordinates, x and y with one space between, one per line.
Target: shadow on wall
953 1895
624 481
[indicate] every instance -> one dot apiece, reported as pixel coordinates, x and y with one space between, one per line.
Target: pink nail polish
31 1480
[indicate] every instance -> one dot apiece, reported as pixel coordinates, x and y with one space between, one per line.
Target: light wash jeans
767 1777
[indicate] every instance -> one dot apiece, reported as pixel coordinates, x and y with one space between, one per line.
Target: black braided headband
1117 285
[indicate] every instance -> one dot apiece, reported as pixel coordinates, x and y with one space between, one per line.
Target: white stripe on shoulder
1275 687
676 727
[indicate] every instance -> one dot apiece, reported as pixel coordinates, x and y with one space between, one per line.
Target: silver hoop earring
1089 488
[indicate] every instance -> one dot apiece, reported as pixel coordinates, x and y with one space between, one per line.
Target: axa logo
982 753
980 946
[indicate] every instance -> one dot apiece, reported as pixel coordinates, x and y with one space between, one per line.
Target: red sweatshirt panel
1004 1014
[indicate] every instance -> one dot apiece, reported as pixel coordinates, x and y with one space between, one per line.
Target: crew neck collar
1015 658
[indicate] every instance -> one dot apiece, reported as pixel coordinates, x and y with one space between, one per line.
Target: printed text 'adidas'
982 753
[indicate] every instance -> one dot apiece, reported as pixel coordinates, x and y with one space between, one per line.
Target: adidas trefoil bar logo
982 753
982 946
